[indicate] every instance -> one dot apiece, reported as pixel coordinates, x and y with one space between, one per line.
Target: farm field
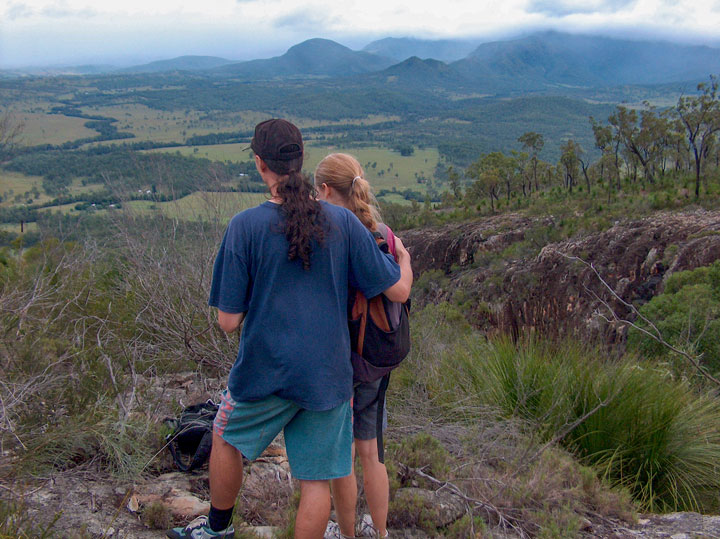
173 126
206 205
395 198
216 152
199 206
13 184
391 169
41 128
15 227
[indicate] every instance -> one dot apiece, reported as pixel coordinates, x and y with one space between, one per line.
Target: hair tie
354 180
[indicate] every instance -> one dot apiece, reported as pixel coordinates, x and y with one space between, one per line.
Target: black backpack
191 439
379 329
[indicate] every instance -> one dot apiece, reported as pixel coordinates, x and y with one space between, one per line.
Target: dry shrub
505 475
269 508
157 516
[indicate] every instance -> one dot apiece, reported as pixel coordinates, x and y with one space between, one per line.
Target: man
285 267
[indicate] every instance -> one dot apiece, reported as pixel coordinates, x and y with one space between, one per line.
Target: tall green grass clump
640 427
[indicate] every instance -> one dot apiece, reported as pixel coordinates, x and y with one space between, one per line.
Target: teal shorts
318 444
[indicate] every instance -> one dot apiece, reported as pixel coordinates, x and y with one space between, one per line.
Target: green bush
687 314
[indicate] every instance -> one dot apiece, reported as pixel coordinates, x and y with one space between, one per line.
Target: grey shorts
365 411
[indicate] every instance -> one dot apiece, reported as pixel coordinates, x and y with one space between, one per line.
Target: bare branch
655 334
504 520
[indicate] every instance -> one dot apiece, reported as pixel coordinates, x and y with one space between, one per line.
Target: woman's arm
400 291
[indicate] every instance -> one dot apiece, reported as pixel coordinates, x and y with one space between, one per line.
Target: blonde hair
344 173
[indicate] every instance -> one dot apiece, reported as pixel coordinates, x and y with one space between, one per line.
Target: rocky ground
101 508
92 506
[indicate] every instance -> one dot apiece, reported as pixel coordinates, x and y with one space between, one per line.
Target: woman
284 266
340 179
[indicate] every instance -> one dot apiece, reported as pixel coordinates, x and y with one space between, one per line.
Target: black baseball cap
277 140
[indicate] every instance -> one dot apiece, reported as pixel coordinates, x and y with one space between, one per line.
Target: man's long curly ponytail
303 214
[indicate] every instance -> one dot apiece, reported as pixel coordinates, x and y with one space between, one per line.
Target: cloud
563 8
303 19
17 10
61 12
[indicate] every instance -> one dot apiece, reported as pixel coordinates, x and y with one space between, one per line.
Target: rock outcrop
568 286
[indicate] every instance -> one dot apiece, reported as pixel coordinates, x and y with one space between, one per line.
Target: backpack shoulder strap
360 311
388 236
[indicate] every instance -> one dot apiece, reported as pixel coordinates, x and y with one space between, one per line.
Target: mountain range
542 62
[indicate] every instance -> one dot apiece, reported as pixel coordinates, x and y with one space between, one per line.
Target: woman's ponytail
362 203
345 175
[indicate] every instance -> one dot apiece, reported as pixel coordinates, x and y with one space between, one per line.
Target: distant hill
420 74
314 57
181 63
446 50
551 59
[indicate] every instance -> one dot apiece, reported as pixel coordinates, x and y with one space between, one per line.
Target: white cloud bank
43 32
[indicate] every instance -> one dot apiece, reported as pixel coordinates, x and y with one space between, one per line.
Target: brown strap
360 310
377 313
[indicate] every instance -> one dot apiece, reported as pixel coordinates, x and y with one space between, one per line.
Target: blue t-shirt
295 342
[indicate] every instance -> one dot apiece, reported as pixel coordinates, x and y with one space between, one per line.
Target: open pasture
205 205
173 126
216 152
199 206
15 227
42 128
16 188
384 168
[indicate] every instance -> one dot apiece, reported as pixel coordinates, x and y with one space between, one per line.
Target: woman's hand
401 251
400 291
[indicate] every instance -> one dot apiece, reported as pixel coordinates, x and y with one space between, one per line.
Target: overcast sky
45 32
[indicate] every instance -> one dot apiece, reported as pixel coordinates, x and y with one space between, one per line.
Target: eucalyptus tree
636 135
569 161
454 182
533 144
489 173
700 116
609 145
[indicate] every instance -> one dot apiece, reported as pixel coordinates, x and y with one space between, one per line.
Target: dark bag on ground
191 439
379 328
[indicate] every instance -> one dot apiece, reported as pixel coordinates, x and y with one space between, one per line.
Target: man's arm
229 322
400 291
